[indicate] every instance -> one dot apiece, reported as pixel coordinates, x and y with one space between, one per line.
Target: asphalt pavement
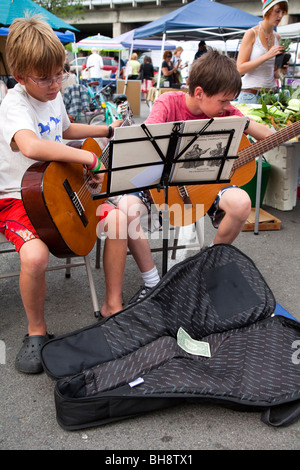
27 412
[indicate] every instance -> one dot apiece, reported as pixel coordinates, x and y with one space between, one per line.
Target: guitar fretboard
262 146
128 121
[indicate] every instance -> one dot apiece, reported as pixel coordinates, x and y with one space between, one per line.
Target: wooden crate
266 221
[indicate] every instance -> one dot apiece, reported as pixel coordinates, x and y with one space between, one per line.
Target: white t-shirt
95 61
20 111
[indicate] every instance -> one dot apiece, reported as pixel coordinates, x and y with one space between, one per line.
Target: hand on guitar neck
201 197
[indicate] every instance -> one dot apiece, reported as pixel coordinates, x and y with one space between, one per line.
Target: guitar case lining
132 363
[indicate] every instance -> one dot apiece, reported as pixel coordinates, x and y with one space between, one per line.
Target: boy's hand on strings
94 168
97 178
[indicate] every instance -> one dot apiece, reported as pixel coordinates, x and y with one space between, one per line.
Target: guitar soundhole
93 188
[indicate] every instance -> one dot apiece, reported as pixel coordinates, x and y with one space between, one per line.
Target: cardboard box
133 93
266 221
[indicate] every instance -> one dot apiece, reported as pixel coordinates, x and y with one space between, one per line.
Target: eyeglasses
48 81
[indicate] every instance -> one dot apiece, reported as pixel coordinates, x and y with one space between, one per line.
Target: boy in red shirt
213 83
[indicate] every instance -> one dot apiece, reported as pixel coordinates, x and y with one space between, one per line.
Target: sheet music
206 148
137 152
140 164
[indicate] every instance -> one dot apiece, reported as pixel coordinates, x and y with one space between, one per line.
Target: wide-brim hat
267 4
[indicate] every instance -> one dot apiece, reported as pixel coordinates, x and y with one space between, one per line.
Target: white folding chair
6 247
197 244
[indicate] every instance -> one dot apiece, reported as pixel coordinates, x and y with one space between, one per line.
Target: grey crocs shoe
28 359
140 294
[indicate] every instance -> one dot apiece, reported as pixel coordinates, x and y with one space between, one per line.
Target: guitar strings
85 191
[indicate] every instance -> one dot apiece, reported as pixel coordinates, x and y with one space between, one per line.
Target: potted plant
282 59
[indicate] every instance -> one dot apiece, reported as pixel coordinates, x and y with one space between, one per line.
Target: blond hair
31 46
178 49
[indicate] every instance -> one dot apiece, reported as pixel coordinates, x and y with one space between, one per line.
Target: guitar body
201 197
52 211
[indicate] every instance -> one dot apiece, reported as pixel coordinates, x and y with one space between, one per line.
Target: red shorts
14 222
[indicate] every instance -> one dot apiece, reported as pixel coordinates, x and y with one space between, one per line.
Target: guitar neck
128 121
264 145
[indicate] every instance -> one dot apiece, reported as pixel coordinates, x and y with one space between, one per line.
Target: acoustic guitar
189 203
57 197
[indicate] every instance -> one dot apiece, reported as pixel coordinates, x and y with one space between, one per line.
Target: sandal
29 358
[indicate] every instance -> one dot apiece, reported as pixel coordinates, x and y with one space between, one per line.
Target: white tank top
263 75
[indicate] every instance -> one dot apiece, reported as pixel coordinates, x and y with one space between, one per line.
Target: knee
132 207
236 203
116 225
242 206
34 259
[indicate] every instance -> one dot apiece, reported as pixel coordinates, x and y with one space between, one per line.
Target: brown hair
166 54
282 5
215 73
31 46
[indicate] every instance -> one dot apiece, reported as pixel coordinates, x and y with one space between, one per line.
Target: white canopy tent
289 31
292 31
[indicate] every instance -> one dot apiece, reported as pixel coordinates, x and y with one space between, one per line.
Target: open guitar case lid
131 362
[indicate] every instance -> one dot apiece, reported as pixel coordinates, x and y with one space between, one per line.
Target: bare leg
123 230
237 206
137 240
114 260
34 256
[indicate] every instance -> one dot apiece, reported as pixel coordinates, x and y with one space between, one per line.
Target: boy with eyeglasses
33 123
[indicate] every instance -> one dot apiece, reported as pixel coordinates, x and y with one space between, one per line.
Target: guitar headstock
125 111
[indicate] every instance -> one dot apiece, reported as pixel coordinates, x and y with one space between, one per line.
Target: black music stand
165 154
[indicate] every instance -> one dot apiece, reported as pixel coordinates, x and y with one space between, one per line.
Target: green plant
286 44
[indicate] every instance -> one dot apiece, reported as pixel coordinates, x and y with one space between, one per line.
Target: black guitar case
207 331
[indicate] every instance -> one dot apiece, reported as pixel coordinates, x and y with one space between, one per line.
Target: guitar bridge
76 202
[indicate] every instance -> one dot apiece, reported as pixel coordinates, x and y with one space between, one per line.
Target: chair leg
92 286
175 242
98 253
68 269
199 226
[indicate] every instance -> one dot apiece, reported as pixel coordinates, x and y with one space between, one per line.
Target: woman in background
176 61
168 70
146 75
259 47
133 67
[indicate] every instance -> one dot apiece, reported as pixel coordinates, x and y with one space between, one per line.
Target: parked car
76 64
109 66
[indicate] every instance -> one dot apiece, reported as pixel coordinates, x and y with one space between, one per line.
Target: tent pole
161 59
126 68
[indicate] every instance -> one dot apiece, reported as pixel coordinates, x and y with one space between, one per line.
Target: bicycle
105 110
